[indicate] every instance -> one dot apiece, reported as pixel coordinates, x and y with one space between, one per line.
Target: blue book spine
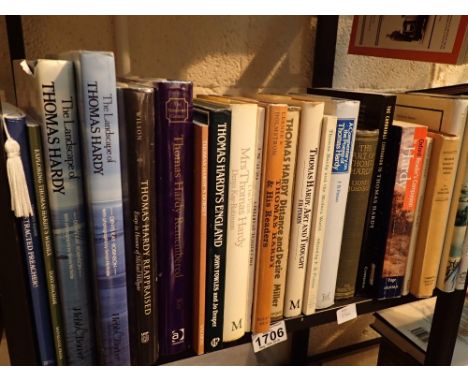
58 105
96 84
29 230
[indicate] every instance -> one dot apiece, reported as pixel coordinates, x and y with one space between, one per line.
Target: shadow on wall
243 51
216 52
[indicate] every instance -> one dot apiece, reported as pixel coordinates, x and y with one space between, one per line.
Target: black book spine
380 186
377 226
137 140
219 137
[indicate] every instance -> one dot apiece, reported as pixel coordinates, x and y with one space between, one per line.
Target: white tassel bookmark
20 202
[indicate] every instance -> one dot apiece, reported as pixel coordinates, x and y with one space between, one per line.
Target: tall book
286 201
390 268
362 170
310 130
319 213
45 229
347 117
434 216
46 89
200 210
274 137
375 112
417 217
218 119
99 127
15 121
137 147
174 158
239 225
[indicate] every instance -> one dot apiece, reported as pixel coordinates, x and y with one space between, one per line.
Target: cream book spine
319 214
306 170
239 225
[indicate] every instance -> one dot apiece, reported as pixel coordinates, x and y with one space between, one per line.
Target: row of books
163 223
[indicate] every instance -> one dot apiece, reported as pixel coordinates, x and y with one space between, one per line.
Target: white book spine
417 219
284 223
347 113
306 170
319 214
239 225
461 277
255 196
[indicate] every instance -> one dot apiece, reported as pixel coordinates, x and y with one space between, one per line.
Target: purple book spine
174 143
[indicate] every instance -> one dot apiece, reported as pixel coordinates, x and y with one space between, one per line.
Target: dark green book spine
356 208
219 138
40 188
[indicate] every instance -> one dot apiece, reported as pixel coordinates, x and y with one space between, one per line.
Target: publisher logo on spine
343 144
177 336
177 110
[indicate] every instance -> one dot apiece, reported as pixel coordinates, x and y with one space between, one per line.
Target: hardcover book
390 269
375 112
174 158
15 122
218 119
137 147
46 89
319 213
200 209
346 112
239 227
99 127
434 215
417 217
45 229
358 196
273 155
307 156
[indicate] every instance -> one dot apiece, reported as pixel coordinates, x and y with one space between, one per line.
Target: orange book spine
434 215
272 166
199 237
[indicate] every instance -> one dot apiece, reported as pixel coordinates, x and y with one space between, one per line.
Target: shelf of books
150 224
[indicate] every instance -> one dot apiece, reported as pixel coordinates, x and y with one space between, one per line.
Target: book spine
62 162
137 140
269 214
219 138
200 223
174 150
461 277
239 225
43 217
407 181
365 259
417 217
284 224
319 213
306 171
356 208
32 250
341 171
434 216
102 174
450 269
255 212
373 247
